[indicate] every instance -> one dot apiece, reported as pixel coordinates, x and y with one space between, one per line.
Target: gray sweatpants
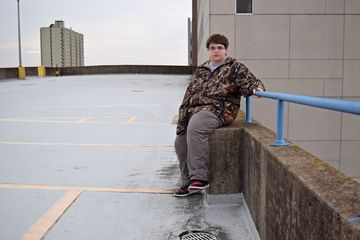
192 147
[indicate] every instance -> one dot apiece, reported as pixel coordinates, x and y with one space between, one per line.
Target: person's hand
257 90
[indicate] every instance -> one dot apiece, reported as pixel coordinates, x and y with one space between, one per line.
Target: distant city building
190 61
60 46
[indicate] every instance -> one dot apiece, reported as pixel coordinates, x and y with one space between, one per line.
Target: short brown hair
217 39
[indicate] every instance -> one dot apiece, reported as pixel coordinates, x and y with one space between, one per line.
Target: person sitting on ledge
212 100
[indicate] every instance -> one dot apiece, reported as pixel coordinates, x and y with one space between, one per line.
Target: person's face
217 52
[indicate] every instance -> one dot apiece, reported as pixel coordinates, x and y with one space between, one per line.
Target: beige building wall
81 50
45 45
56 46
66 47
308 47
203 29
190 61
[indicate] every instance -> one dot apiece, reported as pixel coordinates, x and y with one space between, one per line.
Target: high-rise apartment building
61 47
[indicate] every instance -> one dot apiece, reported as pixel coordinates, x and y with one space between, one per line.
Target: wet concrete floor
92 157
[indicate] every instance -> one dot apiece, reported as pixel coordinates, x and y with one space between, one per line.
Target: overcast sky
115 31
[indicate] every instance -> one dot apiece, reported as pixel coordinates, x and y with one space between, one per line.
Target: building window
244 6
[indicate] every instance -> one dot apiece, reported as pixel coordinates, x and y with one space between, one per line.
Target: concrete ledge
235 199
113 69
291 194
7 73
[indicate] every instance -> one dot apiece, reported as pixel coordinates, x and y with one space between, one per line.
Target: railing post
248 110
280 119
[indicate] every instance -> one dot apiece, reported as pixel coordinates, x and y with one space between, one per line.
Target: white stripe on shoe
198 187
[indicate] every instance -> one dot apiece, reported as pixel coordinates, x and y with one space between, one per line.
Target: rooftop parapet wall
111 69
291 194
6 73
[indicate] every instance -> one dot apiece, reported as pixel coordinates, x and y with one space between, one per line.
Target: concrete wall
67 47
58 57
45 46
291 194
73 48
81 50
203 29
302 47
6 73
127 69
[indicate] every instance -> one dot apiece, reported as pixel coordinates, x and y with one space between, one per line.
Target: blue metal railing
346 106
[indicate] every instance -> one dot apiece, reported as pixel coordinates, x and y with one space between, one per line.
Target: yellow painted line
47 118
96 106
83 189
88 144
127 190
131 120
31 187
37 121
84 121
45 223
63 118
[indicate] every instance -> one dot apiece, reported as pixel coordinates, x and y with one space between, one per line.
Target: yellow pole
22 73
41 71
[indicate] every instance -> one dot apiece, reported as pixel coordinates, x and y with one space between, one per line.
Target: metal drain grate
197 235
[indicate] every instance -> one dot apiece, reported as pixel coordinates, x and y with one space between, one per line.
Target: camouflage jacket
218 91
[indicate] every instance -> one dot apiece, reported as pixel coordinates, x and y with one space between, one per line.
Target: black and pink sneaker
198 185
183 191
